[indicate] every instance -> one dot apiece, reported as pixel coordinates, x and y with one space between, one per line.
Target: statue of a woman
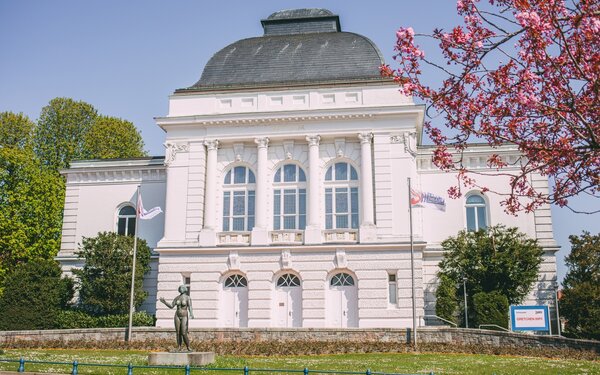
183 303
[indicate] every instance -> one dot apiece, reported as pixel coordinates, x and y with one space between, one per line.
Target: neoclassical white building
284 186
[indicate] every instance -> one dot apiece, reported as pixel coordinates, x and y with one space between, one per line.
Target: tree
59 135
16 130
446 304
524 72
105 279
580 303
34 295
490 308
31 203
112 138
497 259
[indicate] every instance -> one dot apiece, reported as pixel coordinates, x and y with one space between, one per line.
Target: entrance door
342 302
234 304
288 301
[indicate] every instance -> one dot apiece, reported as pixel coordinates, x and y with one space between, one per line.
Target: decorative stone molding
408 139
211 144
341 261
395 139
233 261
288 149
286 259
287 237
365 137
118 176
172 149
340 147
233 239
238 150
262 142
340 236
313 140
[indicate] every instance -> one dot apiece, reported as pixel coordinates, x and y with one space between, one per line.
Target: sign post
529 318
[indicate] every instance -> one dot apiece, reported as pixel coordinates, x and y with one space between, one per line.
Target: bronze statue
183 302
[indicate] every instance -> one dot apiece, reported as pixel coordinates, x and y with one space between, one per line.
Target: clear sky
126 57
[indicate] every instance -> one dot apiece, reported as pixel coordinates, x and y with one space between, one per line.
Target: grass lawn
405 363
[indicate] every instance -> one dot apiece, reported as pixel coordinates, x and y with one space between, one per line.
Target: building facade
284 186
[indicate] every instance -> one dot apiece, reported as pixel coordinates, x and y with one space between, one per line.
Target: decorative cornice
172 149
117 176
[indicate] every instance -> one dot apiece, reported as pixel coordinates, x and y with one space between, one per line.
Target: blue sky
126 57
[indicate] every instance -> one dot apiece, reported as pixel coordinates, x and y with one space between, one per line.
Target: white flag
423 199
143 214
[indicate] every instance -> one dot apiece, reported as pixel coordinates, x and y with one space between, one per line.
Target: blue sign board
529 318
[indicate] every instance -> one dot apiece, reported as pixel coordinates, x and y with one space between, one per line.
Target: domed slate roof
300 46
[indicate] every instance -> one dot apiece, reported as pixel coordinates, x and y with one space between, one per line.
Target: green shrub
105 280
72 319
445 299
34 294
491 308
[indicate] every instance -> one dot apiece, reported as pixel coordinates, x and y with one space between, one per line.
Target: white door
289 306
234 302
288 301
342 302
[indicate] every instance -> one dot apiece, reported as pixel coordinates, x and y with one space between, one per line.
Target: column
177 163
367 222
312 234
208 233
260 235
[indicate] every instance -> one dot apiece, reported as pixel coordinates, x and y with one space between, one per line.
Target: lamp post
466 309
555 286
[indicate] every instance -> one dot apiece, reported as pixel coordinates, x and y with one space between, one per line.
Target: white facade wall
95 191
210 133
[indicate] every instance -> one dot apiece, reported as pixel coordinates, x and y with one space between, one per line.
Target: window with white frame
341 196
289 198
238 199
392 289
126 221
187 281
476 208
342 279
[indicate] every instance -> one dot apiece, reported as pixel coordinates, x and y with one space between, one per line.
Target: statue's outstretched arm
162 299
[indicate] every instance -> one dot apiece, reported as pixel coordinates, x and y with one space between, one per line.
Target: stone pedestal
181 359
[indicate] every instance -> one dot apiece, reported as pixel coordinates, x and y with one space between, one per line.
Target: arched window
341 196
238 199
342 279
288 280
476 213
126 221
236 281
289 198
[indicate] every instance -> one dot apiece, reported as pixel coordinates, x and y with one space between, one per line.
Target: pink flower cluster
543 97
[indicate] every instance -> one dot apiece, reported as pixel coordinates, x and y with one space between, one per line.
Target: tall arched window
238 199
476 213
126 221
289 198
341 196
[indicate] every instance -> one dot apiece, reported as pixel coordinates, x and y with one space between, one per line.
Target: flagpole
412 266
137 219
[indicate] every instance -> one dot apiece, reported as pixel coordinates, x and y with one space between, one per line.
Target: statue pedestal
181 358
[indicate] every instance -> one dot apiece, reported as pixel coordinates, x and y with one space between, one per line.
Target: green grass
413 363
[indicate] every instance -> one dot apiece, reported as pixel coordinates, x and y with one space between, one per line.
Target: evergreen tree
105 279
34 295
580 303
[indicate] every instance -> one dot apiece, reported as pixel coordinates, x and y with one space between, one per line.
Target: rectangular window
276 209
354 207
328 209
392 289
481 222
289 173
121 226
471 227
131 226
341 171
